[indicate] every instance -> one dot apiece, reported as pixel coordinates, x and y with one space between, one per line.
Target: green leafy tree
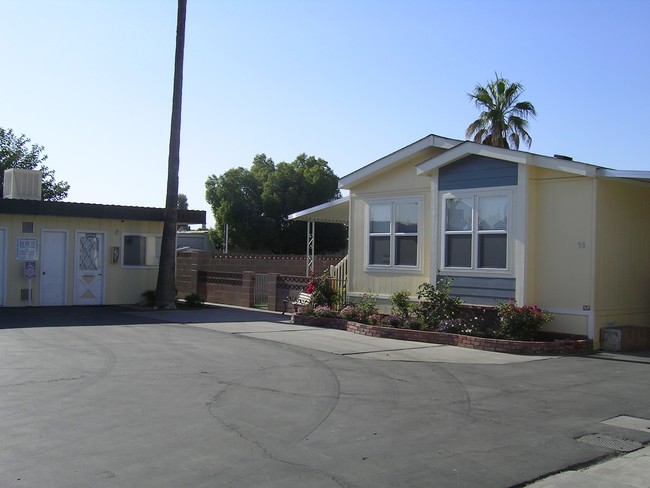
182 202
16 152
236 199
255 204
182 205
503 121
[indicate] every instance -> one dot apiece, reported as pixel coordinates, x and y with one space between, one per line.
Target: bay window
476 231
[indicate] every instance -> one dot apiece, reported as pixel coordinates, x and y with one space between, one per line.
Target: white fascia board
471 148
520 157
394 158
564 165
325 212
616 173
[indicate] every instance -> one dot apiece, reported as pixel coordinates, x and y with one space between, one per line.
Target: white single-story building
60 253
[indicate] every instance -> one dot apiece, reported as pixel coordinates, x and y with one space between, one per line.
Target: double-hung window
476 231
141 250
394 233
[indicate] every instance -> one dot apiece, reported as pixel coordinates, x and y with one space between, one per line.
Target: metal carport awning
334 212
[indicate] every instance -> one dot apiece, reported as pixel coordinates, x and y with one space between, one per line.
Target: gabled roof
474 149
336 211
96 211
396 158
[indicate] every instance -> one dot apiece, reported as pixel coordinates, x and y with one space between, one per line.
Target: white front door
53 267
89 269
3 265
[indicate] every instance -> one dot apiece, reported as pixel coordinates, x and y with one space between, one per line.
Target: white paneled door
53 267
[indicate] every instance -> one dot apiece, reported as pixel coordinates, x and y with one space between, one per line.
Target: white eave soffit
336 211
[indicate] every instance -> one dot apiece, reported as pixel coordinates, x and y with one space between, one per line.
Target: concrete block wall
292 265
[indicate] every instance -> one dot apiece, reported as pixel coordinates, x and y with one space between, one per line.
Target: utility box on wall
625 338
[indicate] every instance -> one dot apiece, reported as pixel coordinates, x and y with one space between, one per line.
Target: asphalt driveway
114 397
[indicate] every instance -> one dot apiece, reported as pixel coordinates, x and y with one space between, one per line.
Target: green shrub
402 304
194 301
436 303
148 298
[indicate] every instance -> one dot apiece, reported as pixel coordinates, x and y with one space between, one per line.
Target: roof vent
22 184
562 156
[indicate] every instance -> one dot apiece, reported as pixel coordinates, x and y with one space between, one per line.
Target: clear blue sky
345 80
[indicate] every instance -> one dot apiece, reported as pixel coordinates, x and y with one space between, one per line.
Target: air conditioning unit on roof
22 184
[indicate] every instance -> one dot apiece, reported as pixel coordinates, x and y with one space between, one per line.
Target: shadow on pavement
70 316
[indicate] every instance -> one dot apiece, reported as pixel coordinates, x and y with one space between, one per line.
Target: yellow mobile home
567 236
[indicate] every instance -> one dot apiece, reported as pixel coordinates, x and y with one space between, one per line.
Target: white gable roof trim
520 157
395 158
641 176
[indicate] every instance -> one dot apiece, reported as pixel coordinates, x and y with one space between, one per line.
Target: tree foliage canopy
16 152
255 204
504 118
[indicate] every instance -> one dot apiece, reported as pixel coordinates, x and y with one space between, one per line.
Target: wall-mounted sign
26 249
30 270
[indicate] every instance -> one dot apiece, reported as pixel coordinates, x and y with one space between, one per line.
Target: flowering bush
377 319
362 310
349 313
395 321
521 323
322 291
323 311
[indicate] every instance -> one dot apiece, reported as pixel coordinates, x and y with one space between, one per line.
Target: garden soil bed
557 344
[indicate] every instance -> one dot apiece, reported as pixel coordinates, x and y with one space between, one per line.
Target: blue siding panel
477 172
482 291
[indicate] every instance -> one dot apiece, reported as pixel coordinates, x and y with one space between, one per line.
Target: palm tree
166 285
504 119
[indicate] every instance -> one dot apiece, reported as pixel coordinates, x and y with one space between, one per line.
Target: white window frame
150 246
392 267
475 194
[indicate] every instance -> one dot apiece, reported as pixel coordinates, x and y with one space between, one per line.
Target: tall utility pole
166 286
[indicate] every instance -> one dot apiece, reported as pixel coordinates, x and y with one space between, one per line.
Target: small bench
303 299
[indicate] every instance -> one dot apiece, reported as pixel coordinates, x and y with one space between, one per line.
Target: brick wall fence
230 278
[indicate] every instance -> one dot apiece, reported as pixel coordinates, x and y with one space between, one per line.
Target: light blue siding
482 291
477 172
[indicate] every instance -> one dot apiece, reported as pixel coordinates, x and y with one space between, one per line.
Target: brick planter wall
551 348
